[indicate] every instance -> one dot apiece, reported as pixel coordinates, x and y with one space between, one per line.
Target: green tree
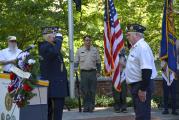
24 18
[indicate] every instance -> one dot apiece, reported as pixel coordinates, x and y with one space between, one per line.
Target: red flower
26 87
12 76
10 88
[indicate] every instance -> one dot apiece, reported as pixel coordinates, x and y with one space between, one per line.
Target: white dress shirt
7 55
140 57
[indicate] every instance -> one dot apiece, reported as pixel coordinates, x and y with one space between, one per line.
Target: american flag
113 43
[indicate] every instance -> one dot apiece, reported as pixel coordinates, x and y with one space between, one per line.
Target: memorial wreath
23 79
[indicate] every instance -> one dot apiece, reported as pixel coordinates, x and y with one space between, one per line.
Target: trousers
55 108
142 109
88 88
169 90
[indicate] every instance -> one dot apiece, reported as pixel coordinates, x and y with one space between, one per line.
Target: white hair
141 35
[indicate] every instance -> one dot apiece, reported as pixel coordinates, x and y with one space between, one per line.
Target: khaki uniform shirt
87 59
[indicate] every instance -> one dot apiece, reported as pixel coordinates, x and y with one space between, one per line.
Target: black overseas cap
49 30
135 28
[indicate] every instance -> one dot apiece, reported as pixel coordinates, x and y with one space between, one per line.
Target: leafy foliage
24 18
106 101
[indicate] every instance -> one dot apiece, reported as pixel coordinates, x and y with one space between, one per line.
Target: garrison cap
135 28
50 30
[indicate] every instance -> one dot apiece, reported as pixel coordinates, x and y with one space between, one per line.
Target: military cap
135 28
49 30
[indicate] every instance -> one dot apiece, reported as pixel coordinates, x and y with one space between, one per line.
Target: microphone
29 48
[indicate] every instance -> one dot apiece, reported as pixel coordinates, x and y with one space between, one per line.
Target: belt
91 70
135 83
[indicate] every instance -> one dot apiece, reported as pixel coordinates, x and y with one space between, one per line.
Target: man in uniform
140 70
53 69
87 57
8 55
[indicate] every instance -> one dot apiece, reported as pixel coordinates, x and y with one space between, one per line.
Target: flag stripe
113 43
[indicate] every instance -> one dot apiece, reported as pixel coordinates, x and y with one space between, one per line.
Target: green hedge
106 101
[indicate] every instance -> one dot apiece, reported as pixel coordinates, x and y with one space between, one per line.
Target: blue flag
168 44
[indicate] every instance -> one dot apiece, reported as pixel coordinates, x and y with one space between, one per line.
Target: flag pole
71 51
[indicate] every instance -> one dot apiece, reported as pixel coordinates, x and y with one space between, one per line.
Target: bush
104 101
156 102
71 103
101 101
129 102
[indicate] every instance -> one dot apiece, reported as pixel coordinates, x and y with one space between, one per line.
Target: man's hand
142 95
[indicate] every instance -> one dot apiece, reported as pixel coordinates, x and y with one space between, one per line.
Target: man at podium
8 55
52 68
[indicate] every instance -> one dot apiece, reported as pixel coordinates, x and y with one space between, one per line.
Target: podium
36 110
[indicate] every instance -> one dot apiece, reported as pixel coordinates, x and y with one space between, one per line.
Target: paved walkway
109 114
